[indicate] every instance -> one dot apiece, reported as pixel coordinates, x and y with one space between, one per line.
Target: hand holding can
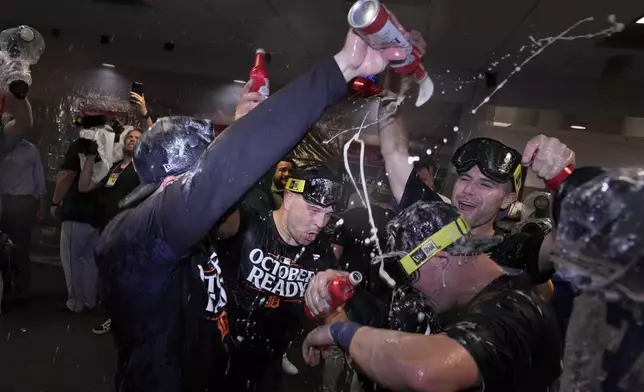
381 30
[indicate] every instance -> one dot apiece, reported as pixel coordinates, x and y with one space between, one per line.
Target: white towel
104 137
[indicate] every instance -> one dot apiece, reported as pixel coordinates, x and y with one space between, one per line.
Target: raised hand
248 101
358 59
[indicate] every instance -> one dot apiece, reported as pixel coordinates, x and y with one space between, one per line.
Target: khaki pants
77 242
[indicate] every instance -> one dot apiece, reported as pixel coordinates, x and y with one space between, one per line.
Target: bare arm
146 123
85 178
402 361
394 149
229 227
23 117
193 205
547 248
64 181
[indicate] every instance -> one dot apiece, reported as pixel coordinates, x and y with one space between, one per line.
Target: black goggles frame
495 160
322 192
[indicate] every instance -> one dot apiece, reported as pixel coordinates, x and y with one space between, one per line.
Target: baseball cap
423 229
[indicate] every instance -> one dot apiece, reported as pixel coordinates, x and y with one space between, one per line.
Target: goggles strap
434 244
517 176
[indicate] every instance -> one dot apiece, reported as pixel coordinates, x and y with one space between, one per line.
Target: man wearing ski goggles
277 252
491 177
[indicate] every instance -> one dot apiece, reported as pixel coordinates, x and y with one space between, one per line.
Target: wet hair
417 222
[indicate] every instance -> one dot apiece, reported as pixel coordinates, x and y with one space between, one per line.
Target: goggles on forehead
433 244
495 160
319 191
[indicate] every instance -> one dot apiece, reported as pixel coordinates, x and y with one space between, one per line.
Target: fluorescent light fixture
501 124
640 20
577 127
239 81
108 65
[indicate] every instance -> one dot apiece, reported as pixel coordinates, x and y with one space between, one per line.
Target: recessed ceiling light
577 127
239 81
108 65
641 20
501 124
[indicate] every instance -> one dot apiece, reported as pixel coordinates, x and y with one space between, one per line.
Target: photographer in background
22 188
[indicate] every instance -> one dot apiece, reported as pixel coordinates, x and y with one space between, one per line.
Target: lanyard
114 175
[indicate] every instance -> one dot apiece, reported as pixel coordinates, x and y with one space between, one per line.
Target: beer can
371 21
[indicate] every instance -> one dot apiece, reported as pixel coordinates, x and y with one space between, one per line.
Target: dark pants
18 214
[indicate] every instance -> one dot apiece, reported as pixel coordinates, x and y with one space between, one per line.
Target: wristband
342 333
146 115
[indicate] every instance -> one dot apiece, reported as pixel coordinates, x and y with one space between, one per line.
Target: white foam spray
546 42
364 198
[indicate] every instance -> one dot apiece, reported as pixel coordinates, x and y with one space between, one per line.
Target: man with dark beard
150 254
268 195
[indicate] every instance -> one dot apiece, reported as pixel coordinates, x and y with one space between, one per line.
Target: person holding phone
137 100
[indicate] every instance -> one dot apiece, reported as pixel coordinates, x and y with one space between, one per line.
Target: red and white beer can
371 21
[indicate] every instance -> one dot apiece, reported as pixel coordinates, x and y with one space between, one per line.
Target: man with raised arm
157 291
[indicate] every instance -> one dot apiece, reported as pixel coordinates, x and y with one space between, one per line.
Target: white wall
591 149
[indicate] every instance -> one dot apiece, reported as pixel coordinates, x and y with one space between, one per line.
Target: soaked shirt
511 333
273 275
518 252
154 290
356 255
112 189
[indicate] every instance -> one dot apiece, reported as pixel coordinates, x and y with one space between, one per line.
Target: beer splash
544 43
364 198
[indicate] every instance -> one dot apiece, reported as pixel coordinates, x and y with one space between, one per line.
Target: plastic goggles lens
319 191
497 161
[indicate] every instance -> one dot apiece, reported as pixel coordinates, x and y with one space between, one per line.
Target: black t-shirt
118 184
273 275
511 333
356 255
77 206
518 252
